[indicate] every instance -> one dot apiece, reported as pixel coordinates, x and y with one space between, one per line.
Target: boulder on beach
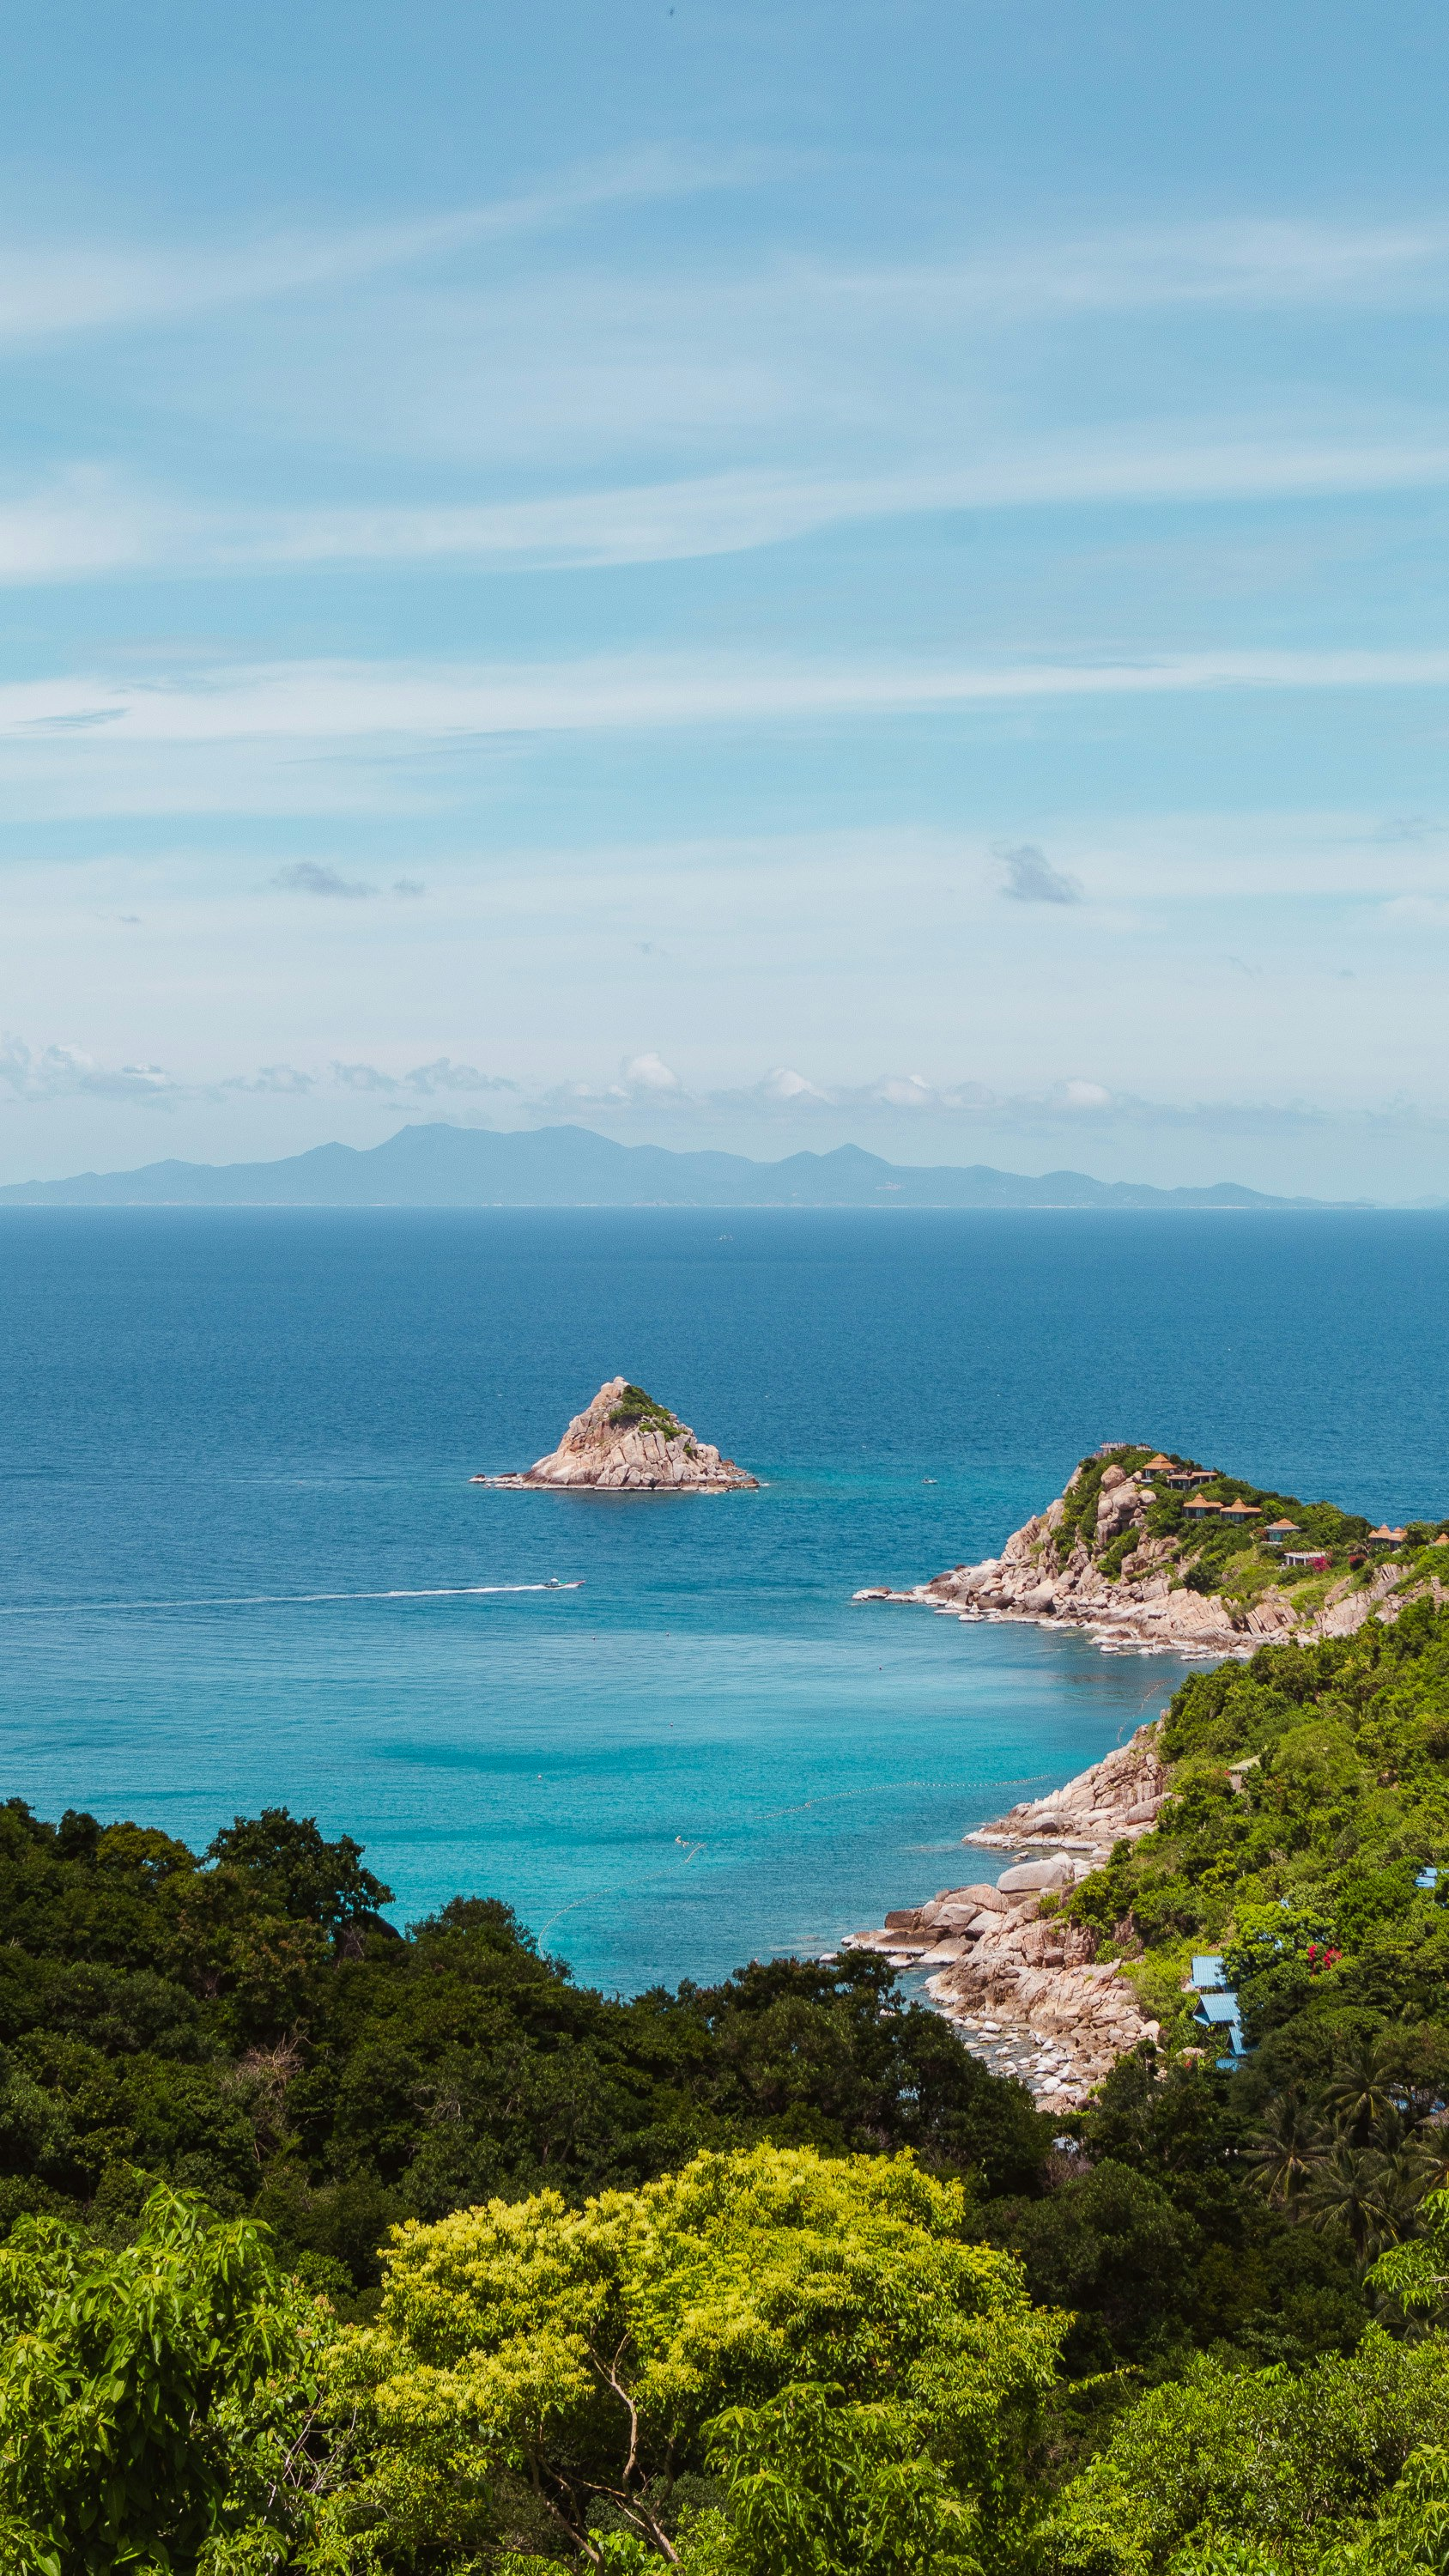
627 1443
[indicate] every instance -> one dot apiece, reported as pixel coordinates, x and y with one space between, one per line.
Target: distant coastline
442 1166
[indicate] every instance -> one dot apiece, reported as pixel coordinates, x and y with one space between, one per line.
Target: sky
740 575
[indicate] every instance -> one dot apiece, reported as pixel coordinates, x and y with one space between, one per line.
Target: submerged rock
626 1443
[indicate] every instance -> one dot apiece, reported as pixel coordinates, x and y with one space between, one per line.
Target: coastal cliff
1148 1550
625 1442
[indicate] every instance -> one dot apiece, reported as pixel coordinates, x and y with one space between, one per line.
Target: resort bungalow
1383 1536
1158 1466
1278 1533
1240 1511
1183 1477
1199 1508
1317 1557
1223 2012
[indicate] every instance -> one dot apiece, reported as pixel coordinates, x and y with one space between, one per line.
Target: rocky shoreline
1147 1553
1021 1984
1136 1600
626 1443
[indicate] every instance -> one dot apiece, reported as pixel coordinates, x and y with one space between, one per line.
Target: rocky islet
625 1442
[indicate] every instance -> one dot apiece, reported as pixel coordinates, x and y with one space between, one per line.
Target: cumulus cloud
648 1073
1029 877
306 877
786 1088
61 1072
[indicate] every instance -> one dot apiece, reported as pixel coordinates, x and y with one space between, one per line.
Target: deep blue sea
208 1419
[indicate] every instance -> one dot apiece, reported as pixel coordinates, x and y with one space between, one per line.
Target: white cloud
62 1072
91 523
785 1088
647 1073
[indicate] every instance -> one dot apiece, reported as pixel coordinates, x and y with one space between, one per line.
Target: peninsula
1041 1969
626 1443
1148 1549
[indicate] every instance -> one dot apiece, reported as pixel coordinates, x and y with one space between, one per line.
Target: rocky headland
626 1443
1146 1550
1020 1981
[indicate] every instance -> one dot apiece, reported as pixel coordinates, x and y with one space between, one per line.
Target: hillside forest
328 2247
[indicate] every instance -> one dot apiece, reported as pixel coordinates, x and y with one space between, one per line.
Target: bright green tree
1226 2469
157 2402
813 2351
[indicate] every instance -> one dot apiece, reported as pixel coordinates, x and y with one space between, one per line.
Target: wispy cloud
90 523
341 702
61 1072
424 1081
48 289
53 287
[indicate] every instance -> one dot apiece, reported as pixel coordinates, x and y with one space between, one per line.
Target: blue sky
744 575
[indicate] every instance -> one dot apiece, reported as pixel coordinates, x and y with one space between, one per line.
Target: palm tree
1362 2191
1367 2082
1286 2148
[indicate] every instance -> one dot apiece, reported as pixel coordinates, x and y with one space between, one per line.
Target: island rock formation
626 1443
1152 1552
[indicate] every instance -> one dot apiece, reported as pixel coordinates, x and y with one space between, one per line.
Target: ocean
241 1551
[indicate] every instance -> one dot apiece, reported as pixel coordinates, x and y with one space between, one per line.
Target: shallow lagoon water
707 1752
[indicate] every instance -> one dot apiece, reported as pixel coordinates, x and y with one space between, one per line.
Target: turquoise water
706 1753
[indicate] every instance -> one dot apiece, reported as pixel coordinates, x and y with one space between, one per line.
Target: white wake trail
279 1600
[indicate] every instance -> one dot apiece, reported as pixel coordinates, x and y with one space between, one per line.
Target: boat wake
283 1600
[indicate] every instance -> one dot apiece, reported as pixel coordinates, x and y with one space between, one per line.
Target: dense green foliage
668 2283
155 2401
248 2027
1234 1559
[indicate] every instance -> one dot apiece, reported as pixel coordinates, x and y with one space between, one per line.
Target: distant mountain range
439 1166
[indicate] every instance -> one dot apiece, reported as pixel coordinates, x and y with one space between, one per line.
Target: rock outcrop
1019 1980
1103 1569
1116 1801
626 1443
